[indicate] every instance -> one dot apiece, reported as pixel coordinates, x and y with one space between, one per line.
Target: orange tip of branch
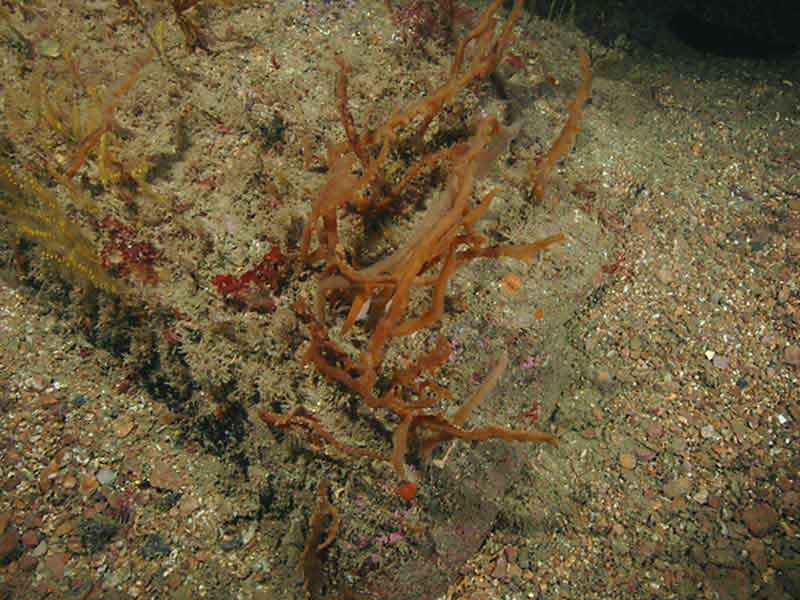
407 490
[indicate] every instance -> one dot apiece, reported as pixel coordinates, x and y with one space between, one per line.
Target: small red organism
248 290
407 490
616 265
515 61
419 20
125 256
170 336
532 414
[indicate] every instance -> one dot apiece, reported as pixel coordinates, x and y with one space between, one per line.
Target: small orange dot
511 284
538 314
407 490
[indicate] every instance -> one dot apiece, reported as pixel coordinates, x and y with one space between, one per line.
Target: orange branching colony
322 529
382 292
539 171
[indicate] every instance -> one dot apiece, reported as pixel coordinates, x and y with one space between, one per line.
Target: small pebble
627 461
55 563
5 519
106 476
48 399
603 378
654 430
37 383
88 484
232 544
500 570
721 362
760 519
30 538
9 545
677 487
123 426
665 275
792 355
162 476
